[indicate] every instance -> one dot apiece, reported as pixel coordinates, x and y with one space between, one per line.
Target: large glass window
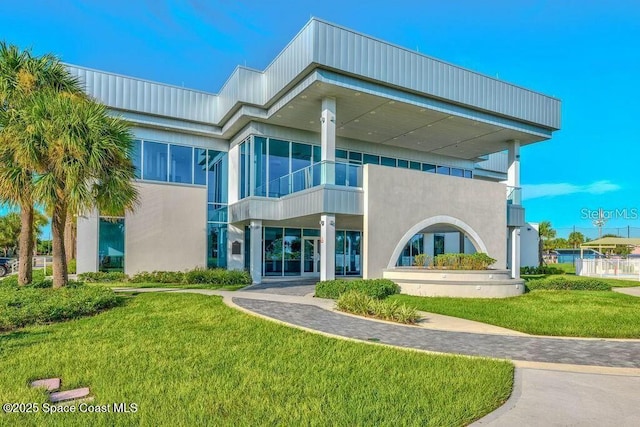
352 253
292 251
411 249
200 166
181 163
300 161
260 165
278 167
370 158
137 157
111 244
155 161
457 172
217 170
426 167
272 251
217 245
339 253
444 170
388 161
244 181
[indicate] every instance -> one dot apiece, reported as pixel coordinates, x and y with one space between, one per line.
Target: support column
513 180
255 265
327 247
513 172
514 236
328 139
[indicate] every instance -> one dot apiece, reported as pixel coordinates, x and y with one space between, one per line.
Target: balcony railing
514 195
325 172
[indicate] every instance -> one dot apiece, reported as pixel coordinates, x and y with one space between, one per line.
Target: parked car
5 266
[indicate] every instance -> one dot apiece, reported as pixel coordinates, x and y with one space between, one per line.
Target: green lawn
167 285
188 359
602 314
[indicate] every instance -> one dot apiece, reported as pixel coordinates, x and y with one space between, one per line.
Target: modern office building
346 156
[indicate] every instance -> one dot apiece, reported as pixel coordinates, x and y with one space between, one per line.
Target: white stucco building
347 155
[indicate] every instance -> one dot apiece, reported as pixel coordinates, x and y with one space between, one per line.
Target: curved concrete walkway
635 291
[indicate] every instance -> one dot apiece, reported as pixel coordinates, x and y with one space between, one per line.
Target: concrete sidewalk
635 291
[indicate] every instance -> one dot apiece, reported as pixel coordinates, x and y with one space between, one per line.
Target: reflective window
414 165
278 167
300 161
403 164
352 253
272 260
388 161
111 244
355 157
180 162
243 181
370 158
340 253
200 166
136 157
216 212
216 245
217 187
260 164
341 154
444 170
155 161
457 172
468 174
426 167
292 248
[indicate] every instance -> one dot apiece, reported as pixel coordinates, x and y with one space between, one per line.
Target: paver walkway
610 353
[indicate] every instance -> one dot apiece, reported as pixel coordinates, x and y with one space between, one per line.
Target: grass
188 359
167 285
598 314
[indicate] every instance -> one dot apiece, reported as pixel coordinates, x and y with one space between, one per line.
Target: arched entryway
432 224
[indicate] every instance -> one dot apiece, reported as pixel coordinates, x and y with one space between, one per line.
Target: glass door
311 256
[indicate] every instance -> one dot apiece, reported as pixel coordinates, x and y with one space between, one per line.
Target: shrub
103 276
420 260
217 276
357 302
543 269
568 283
158 277
21 306
375 288
477 261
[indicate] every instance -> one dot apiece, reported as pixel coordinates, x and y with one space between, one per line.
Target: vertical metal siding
126 93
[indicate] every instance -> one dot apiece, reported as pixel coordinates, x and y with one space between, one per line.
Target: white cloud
535 191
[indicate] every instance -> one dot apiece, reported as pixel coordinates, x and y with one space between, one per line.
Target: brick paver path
610 353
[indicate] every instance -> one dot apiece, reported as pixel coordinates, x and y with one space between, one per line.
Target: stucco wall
87 241
168 229
395 200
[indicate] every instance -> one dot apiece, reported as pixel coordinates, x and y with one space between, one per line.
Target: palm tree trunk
25 259
70 237
58 219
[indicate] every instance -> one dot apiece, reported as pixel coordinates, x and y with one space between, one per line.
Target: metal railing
603 267
321 173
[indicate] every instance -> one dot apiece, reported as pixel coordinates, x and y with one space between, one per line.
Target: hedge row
375 288
218 276
568 283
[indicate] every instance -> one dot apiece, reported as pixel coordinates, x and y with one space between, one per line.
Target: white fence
622 268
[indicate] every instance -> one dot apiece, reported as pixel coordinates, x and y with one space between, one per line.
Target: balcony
515 211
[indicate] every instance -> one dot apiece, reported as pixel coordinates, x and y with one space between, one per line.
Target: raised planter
455 283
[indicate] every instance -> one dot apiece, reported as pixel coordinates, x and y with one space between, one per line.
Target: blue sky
584 52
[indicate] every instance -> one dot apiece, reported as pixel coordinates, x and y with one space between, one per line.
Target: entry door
311 257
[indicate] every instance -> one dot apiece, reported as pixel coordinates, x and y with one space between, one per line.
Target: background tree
22 76
575 239
10 230
82 157
545 232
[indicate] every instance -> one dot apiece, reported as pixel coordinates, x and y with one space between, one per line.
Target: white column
255 266
514 235
327 247
328 139
513 172
513 180
87 240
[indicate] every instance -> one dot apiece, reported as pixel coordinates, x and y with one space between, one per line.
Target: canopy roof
612 241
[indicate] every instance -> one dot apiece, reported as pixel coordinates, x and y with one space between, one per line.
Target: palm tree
546 233
576 238
82 157
21 77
